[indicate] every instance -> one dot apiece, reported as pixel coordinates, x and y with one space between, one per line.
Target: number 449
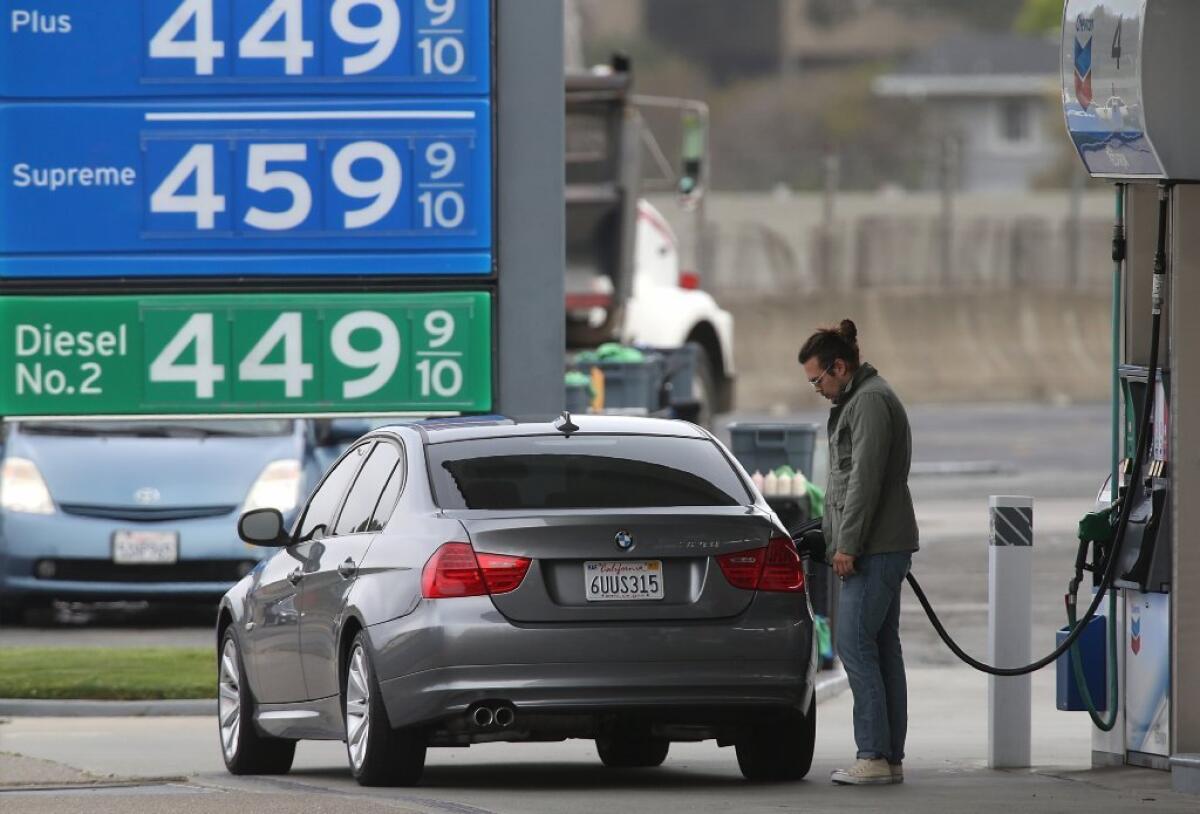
445 378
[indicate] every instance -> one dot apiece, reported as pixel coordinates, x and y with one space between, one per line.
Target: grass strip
110 674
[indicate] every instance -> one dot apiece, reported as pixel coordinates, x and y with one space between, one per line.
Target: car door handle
347 569
295 577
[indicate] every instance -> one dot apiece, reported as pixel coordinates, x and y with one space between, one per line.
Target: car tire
244 748
627 753
378 754
782 750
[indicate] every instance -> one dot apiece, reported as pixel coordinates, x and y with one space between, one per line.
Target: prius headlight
278 487
22 488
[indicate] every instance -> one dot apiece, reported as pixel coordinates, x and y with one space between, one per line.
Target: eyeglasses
816 383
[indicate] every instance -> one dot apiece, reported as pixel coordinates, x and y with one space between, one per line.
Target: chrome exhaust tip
505 716
483 716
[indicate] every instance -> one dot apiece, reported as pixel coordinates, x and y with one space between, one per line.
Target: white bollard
1010 626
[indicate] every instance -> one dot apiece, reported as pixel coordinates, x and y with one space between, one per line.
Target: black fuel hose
1160 266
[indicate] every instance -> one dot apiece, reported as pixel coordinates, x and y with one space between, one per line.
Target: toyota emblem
624 540
147 496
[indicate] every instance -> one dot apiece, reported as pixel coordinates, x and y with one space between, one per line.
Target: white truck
625 280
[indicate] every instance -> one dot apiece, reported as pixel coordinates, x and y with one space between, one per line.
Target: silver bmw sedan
452 582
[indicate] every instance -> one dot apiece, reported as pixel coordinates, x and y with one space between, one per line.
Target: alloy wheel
358 707
229 700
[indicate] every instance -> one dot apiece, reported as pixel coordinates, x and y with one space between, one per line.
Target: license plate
616 580
145 547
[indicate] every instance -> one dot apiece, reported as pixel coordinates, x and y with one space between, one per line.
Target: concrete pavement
945 769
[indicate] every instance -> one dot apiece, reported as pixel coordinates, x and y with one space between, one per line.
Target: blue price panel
399 188
119 48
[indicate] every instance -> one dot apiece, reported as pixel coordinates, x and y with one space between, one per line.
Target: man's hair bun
848 331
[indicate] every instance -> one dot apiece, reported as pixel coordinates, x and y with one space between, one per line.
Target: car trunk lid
680 546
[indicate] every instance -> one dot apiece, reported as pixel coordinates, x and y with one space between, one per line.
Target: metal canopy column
530 208
1185 446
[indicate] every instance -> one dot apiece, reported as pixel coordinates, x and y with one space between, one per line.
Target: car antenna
565 425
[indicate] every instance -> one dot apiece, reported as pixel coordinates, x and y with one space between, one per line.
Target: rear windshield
583 472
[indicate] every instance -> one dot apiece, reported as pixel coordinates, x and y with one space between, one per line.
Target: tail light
456 570
776 568
502 574
743 568
783 570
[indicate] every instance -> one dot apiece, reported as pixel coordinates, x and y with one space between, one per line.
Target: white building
990 108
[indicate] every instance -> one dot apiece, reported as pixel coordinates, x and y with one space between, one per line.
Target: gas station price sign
123 48
249 353
408 178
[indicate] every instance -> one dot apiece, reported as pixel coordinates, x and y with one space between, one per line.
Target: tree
1040 17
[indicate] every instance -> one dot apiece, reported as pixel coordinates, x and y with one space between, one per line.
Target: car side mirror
263 527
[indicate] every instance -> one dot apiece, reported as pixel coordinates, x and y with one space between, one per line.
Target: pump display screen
1102 87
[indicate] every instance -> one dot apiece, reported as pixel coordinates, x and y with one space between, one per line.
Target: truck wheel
244 749
704 386
781 750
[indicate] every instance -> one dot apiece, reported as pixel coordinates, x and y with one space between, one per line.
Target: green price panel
252 353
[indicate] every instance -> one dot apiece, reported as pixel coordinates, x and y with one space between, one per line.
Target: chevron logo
1083 73
1135 634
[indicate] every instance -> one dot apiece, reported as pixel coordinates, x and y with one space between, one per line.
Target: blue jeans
868 643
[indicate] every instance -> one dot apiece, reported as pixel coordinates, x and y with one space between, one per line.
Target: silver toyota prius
452 582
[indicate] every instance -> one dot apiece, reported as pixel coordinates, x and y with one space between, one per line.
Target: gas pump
1125 65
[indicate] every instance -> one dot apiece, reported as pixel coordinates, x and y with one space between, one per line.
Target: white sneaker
897 772
870 772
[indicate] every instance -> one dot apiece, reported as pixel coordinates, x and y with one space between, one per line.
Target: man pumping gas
871 533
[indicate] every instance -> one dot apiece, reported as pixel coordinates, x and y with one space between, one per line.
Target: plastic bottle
757 477
799 485
784 485
770 484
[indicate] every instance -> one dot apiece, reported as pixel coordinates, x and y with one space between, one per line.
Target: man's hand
843 565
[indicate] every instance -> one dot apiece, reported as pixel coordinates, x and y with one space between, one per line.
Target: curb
828 687
47 708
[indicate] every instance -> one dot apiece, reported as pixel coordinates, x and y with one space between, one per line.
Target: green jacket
868 507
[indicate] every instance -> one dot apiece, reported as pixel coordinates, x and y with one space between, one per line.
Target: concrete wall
932 346
1015 319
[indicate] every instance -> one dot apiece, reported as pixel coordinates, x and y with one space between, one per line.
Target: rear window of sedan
583 472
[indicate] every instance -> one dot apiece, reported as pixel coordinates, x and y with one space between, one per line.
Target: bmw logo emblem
624 540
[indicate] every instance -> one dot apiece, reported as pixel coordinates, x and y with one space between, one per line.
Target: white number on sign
445 54
293 49
293 371
260 179
196 17
382 360
204 203
442 9
382 37
202 48
440 327
445 209
441 158
445 376
384 189
204 372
